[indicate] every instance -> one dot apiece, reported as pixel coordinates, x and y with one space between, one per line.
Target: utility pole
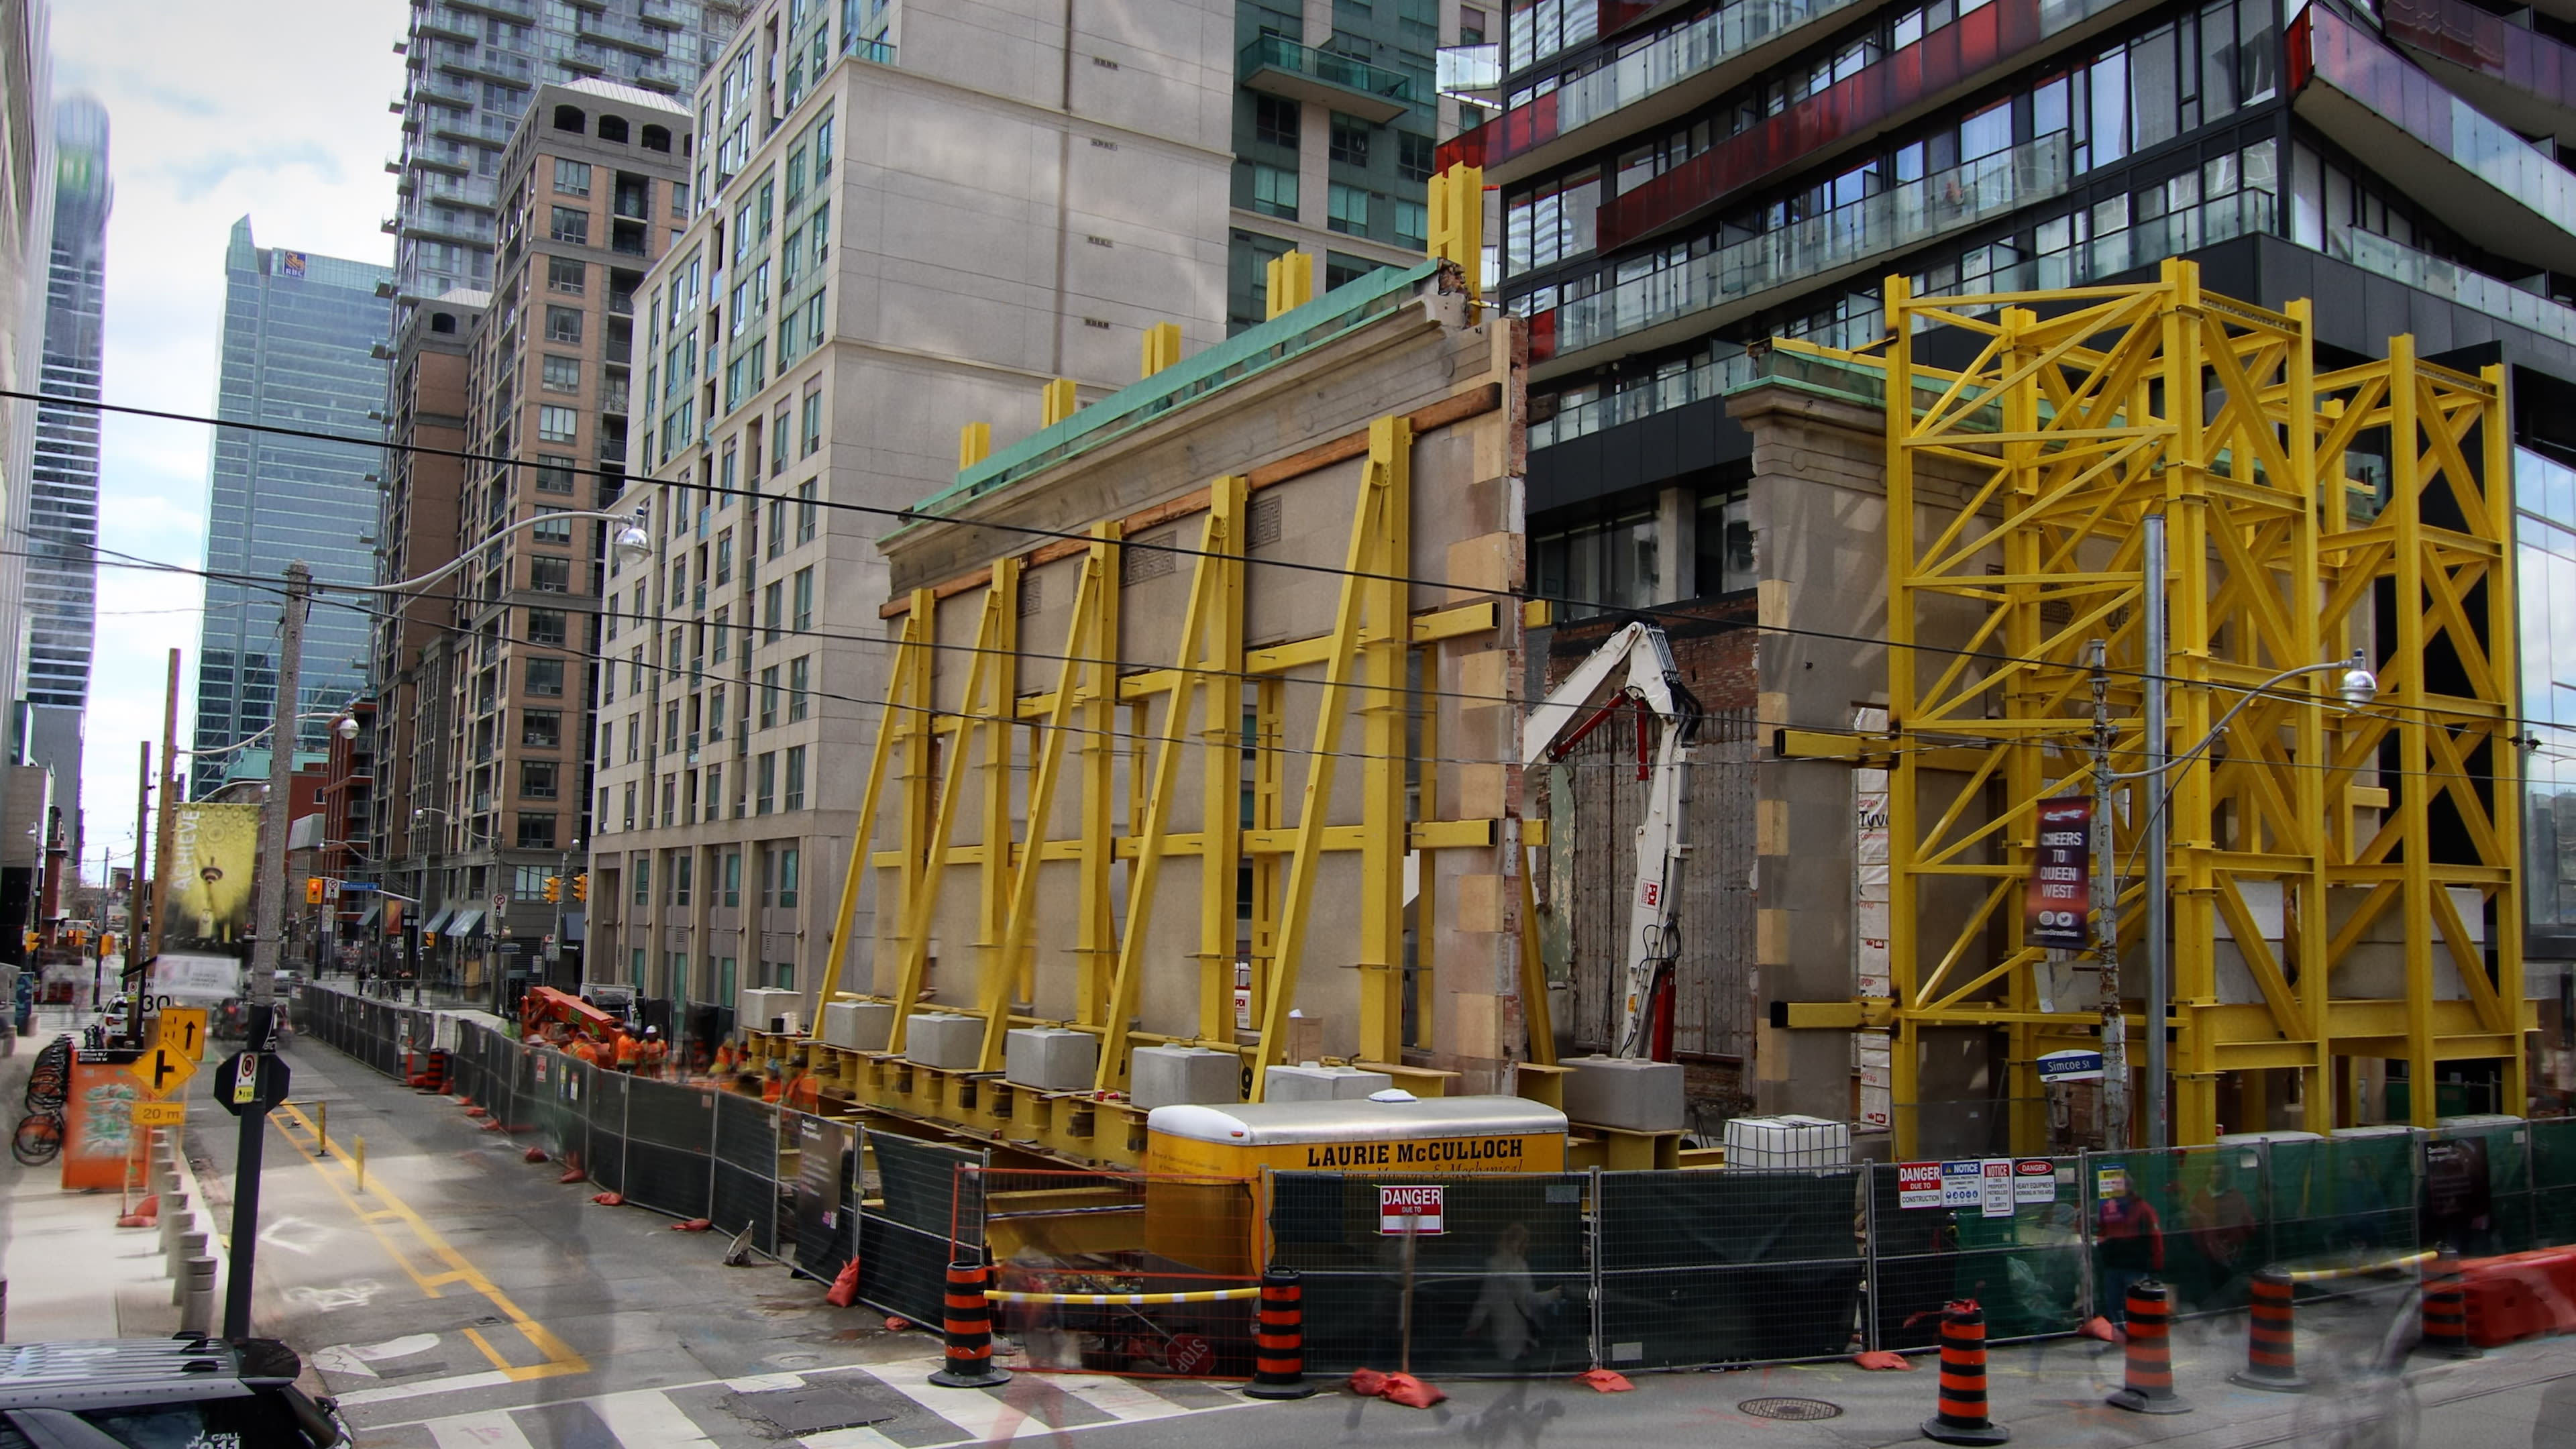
2152 722
269 926
2106 915
165 821
134 889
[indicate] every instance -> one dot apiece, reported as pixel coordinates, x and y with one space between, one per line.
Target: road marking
648 1419
488 1378
1122 1398
861 1437
403 1347
988 1416
560 1358
492 1430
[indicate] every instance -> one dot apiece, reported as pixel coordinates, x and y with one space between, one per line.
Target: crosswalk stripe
860 1437
1119 1398
417 1388
989 1416
492 1430
648 1419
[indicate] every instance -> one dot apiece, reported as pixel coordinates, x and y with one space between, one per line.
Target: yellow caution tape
1123 1300
2319 1275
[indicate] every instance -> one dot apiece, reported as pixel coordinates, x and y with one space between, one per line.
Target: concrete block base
1173 1076
1322 1084
945 1040
1050 1059
1634 1096
859 1026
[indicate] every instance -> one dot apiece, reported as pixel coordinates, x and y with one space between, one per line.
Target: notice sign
2061 883
2034 1180
1995 1187
1963 1184
1407 1211
1918 1184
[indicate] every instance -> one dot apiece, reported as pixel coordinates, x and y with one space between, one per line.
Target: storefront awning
466 923
373 913
437 921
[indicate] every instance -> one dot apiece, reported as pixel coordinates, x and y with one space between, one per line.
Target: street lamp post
2356 688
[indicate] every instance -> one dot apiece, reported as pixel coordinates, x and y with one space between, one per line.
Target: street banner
2061 883
217 846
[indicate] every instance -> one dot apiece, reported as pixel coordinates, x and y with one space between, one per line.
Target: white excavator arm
1550 731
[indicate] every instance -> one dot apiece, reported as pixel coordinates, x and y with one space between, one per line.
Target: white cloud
274 109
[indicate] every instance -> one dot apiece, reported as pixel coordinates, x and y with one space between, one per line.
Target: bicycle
39 1138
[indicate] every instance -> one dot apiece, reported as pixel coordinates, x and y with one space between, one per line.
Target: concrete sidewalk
67 1269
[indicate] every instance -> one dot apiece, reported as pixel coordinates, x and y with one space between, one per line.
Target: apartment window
550 575
561 374
546 627
773 605
724 557
1274 191
554 475
715 713
571 224
635 670
572 178
680 199
542 729
764 790
670 800
777 527
778 435
715 793
1351 140
769 697
733 878
567 274
536 830
795 793
634 736
722 633
813 423
543 678
787 873
1414 155
799 687
537 779
643 863
551 526
626 819
786 975
1412 225
805 511
804 599
563 324
683 867
1274 121
671 725
1348 210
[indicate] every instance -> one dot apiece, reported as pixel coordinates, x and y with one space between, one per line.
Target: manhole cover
811 1410
1802 1410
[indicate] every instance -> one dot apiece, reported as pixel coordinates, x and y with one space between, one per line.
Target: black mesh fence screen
1502 1288
916 1220
1705 1268
825 1223
745 1184
670 1132
2553 1181
2017 1248
607 1114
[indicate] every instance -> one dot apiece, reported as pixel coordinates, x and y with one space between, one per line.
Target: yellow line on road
560 1358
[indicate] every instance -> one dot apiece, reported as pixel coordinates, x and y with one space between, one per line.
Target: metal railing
1278 52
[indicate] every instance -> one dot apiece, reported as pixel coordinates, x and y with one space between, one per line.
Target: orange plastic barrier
2520 1295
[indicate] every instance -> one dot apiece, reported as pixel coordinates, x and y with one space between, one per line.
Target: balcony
1472 73
1674 303
1279 66
2520 77
2472 289
441 22
2495 188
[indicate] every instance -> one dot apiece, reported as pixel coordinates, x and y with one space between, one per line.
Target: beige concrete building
900 226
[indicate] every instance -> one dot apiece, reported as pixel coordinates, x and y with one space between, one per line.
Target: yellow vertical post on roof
921 919
1291 282
1020 915
1221 758
863 830
1056 402
1096 925
995 725
974 445
1903 772
2414 793
1384 641
1457 221
1162 348
2505 667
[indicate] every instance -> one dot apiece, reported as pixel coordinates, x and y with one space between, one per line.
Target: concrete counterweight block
1634 1096
859 1026
945 1040
1322 1084
758 1008
1051 1059
1177 1076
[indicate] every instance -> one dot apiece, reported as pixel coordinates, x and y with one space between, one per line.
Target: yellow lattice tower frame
2016 487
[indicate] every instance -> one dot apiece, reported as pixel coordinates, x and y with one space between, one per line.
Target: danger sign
1918 1184
1403 1211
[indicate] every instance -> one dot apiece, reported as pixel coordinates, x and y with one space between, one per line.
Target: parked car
147 1393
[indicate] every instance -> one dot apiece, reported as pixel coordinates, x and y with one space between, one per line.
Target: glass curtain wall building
299 337
62 575
472 67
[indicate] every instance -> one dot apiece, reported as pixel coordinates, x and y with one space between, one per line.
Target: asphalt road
465 1297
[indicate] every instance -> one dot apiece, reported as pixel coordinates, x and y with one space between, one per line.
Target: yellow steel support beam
923 902
907 659
1221 759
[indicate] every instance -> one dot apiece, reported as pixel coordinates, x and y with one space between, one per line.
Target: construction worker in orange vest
655 1052
584 1051
629 1051
724 1058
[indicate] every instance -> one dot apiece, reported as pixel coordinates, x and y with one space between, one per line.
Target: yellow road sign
184 1027
160 1114
161 1067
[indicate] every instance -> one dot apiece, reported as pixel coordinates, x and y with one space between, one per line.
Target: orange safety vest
627 1051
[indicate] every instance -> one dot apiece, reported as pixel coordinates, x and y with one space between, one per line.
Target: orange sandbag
609 1199
1879 1360
1602 1380
898 1325
2099 1328
1403 1389
573 1174
693 1225
536 1154
845 1286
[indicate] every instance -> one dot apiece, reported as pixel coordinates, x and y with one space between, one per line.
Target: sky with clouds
217 109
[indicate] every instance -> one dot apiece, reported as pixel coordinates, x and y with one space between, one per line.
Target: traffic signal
581 886
554 889
428 939
313 890
107 944
33 941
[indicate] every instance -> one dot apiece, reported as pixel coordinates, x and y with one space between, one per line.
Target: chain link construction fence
1531 1274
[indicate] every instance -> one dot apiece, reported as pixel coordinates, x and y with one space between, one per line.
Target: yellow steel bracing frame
2015 490
1110 727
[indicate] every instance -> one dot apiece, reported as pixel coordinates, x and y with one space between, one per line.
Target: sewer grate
812 1410
1800 1410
